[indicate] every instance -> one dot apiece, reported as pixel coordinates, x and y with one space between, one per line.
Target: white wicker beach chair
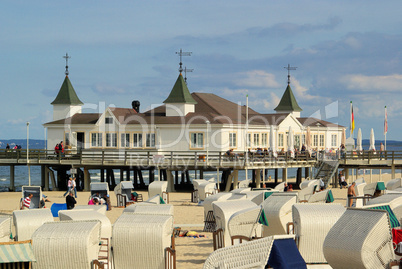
5 228
157 188
278 210
152 209
392 199
360 180
124 188
224 210
27 221
221 196
305 193
312 223
99 187
156 199
205 189
308 183
98 208
36 192
394 184
241 190
245 222
359 189
319 197
253 254
66 244
83 214
139 241
370 189
280 186
361 238
244 183
256 197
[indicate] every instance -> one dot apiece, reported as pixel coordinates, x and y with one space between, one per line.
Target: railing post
125 157
171 159
220 158
148 157
195 158
103 156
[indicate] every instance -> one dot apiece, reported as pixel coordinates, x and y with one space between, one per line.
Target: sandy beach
191 252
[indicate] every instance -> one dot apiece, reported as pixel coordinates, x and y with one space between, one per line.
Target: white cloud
108 89
390 83
257 79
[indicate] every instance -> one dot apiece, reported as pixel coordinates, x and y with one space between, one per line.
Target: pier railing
145 158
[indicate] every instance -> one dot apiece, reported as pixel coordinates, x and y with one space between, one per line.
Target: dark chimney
136 105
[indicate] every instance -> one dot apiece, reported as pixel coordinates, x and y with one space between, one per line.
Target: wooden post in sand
12 173
86 179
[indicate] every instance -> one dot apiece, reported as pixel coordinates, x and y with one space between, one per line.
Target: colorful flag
352 118
386 122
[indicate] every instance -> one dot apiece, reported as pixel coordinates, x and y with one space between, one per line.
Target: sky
126 50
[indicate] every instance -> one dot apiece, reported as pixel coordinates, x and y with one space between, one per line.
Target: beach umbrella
272 143
343 138
290 142
308 138
359 140
372 140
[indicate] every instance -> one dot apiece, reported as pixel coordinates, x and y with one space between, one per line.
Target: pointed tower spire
288 103
67 102
179 102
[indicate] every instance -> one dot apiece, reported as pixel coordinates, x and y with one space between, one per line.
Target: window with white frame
248 140
264 140
125 140
297 141
334 140
280 140
303 139
197 140
232 140
137 140
256 140
111 140
67 139
108 120
150 140
321 140
96 139
315 140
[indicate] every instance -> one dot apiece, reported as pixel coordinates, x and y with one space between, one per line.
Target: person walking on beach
70 200
351 193
27 201
69 186
74 187
342 181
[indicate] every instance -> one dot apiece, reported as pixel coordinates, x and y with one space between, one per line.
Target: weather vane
289 68
185 73
182 53
66 57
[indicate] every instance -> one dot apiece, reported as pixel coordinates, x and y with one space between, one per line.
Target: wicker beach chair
98 208
221 196
361 238
280 186
106 226
241 190
278 210
16 255
312 223
152 209
158 188
244 183
66 244
124 188
370 189
37 195
308 183
205 189
139 241
253 254
5 228
305 193
224 210
27 221
256 197
394 200
99 187
321 197
245 223
394 184
156 199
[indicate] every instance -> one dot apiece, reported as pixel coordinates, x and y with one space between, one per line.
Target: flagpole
351 119
385 128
